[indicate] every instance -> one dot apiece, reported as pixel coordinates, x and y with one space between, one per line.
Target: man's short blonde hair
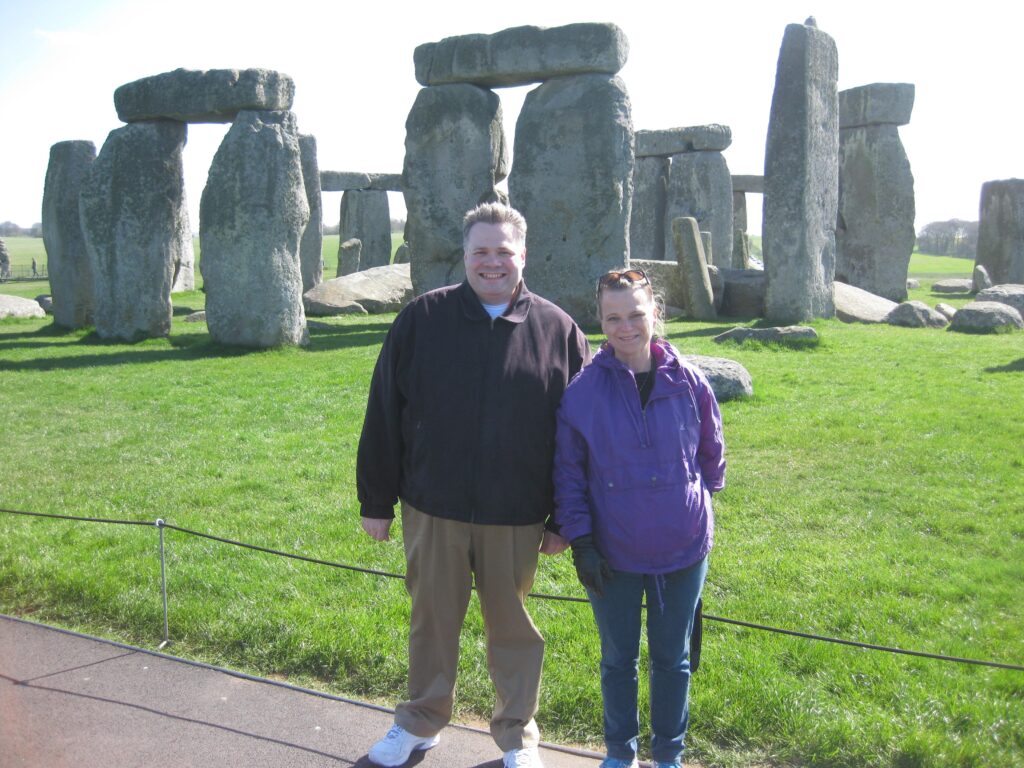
494 213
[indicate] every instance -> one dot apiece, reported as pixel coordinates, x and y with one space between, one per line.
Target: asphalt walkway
71 700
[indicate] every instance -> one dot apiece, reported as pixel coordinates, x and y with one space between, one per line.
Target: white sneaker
396 746
525 757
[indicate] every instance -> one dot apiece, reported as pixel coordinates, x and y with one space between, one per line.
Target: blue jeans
671 601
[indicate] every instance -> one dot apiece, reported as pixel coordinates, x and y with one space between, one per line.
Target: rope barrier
161 524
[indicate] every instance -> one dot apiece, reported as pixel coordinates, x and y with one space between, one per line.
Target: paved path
82 702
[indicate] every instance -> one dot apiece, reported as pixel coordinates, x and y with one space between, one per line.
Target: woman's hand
591 568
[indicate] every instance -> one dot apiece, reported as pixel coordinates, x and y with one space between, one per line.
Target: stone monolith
134 219
572 180
700 186
311 258
1001 231
875 226
365 215
67 258
349 256
455 154
251 220
801 179
647 218
693 268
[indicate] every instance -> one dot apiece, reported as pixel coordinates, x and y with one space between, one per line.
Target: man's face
494 258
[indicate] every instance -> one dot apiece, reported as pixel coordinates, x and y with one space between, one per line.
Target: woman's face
627 319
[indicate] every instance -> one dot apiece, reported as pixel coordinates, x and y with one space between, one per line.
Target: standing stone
5 261
311 257
707 242
133 216
700 186
454 156
572 180
349 256
739 210
185 261
365 215
402 254
875 227
697 294
741 248
1001 231
66 255
251 220
522 55
647 220
801 178
980 279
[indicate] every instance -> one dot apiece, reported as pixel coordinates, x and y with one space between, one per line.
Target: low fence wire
161 525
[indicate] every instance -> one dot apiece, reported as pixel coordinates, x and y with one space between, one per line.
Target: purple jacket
640 480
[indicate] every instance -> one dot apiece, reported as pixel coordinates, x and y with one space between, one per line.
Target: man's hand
378 528
553 544
591 568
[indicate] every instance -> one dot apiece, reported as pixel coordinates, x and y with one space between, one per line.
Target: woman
639 452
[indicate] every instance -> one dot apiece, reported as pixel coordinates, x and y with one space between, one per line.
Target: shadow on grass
1017 366
184 346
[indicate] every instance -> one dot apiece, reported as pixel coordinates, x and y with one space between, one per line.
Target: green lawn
875 493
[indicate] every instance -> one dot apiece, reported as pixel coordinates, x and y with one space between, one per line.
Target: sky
352 63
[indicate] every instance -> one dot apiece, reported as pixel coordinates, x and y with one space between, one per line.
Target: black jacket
460 421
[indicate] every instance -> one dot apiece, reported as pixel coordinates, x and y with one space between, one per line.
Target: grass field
875 493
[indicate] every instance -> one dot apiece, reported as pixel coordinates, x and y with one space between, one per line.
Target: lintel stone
675 141
522 55
203 96
876 104
753 184
345 181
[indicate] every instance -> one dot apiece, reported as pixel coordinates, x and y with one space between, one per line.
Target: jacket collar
665 358
516 313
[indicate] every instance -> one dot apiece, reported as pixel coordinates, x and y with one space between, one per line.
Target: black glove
591 568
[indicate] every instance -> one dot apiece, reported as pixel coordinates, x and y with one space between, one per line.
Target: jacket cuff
377 511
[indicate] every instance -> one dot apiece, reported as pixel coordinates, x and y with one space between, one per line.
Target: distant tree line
949 238
10 229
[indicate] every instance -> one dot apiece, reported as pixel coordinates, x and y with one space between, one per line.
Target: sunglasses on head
615 278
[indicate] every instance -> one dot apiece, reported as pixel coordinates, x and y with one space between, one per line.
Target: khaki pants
442 557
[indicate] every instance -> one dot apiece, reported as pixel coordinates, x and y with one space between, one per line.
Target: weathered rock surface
946 310
913 284
876 104
728 378
196 317
1008 293
698 297
855 305
15 306
67 258
311 259
135 223
377 290
717 286
455 154
700 186
875 227
747 183
782 335
647 219
675 141
916 314
252 216
46 302
743 295
365 215
572 180
343 181
801 178
980 279
401 254
522 55
1001 231
953 285
350 254
203 96
986 317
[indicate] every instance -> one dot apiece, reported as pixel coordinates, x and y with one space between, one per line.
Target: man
460 427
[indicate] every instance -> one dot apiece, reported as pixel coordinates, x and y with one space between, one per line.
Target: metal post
163 584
